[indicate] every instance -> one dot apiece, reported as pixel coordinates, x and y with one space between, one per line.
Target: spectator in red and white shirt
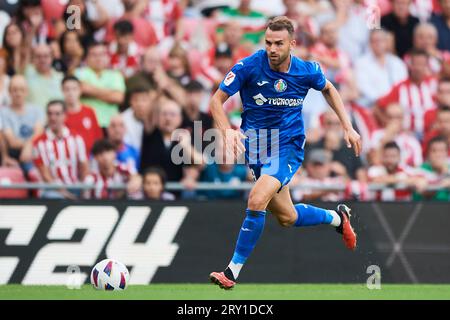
335 63
144 32
233 34
423 9
59 153
30 15
109 172
411 154
165 15
319 171
426 38
305 26
442 98
223 61
414 94
124 51
80 118
442 129
391 172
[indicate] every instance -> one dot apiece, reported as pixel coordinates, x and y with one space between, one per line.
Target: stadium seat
10 176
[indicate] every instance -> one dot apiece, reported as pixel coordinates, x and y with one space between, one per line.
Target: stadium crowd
94 92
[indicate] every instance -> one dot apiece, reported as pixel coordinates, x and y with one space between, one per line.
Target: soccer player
273 84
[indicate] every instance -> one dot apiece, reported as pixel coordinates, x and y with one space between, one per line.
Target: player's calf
308 215
285 219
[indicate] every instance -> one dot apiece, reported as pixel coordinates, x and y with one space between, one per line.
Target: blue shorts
281 165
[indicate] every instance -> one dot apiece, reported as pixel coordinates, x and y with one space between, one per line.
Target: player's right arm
232 83
217 112
232 138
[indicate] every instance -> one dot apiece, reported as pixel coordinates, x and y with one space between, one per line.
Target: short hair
70 78
123 27
444 79
57 101
194 86
141 88
103 145
418 52
377 30
443 108
93 44
165 99
62 40
281 23
177 51
5 43
437 139
30 3
223 50
391 145
158 171
424 25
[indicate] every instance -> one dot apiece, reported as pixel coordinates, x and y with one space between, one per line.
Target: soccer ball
110 274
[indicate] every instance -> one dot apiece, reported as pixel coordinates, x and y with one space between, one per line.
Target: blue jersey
271 99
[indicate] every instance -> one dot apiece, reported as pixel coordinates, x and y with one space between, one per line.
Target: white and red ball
110 274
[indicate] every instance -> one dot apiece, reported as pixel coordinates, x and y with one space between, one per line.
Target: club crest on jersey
229 78
280 85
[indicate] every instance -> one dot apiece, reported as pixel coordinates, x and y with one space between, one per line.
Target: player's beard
280 60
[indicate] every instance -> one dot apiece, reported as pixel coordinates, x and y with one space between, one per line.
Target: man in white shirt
378 70
139 115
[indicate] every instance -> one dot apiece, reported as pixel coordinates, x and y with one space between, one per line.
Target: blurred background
134 71
92 91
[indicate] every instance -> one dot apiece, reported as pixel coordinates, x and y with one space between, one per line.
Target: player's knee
256 201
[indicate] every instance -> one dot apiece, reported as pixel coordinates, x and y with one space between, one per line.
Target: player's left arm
333 98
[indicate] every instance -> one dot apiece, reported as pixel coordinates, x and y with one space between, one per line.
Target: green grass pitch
240 292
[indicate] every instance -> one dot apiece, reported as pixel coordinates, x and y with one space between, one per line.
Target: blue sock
251 230
311 216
